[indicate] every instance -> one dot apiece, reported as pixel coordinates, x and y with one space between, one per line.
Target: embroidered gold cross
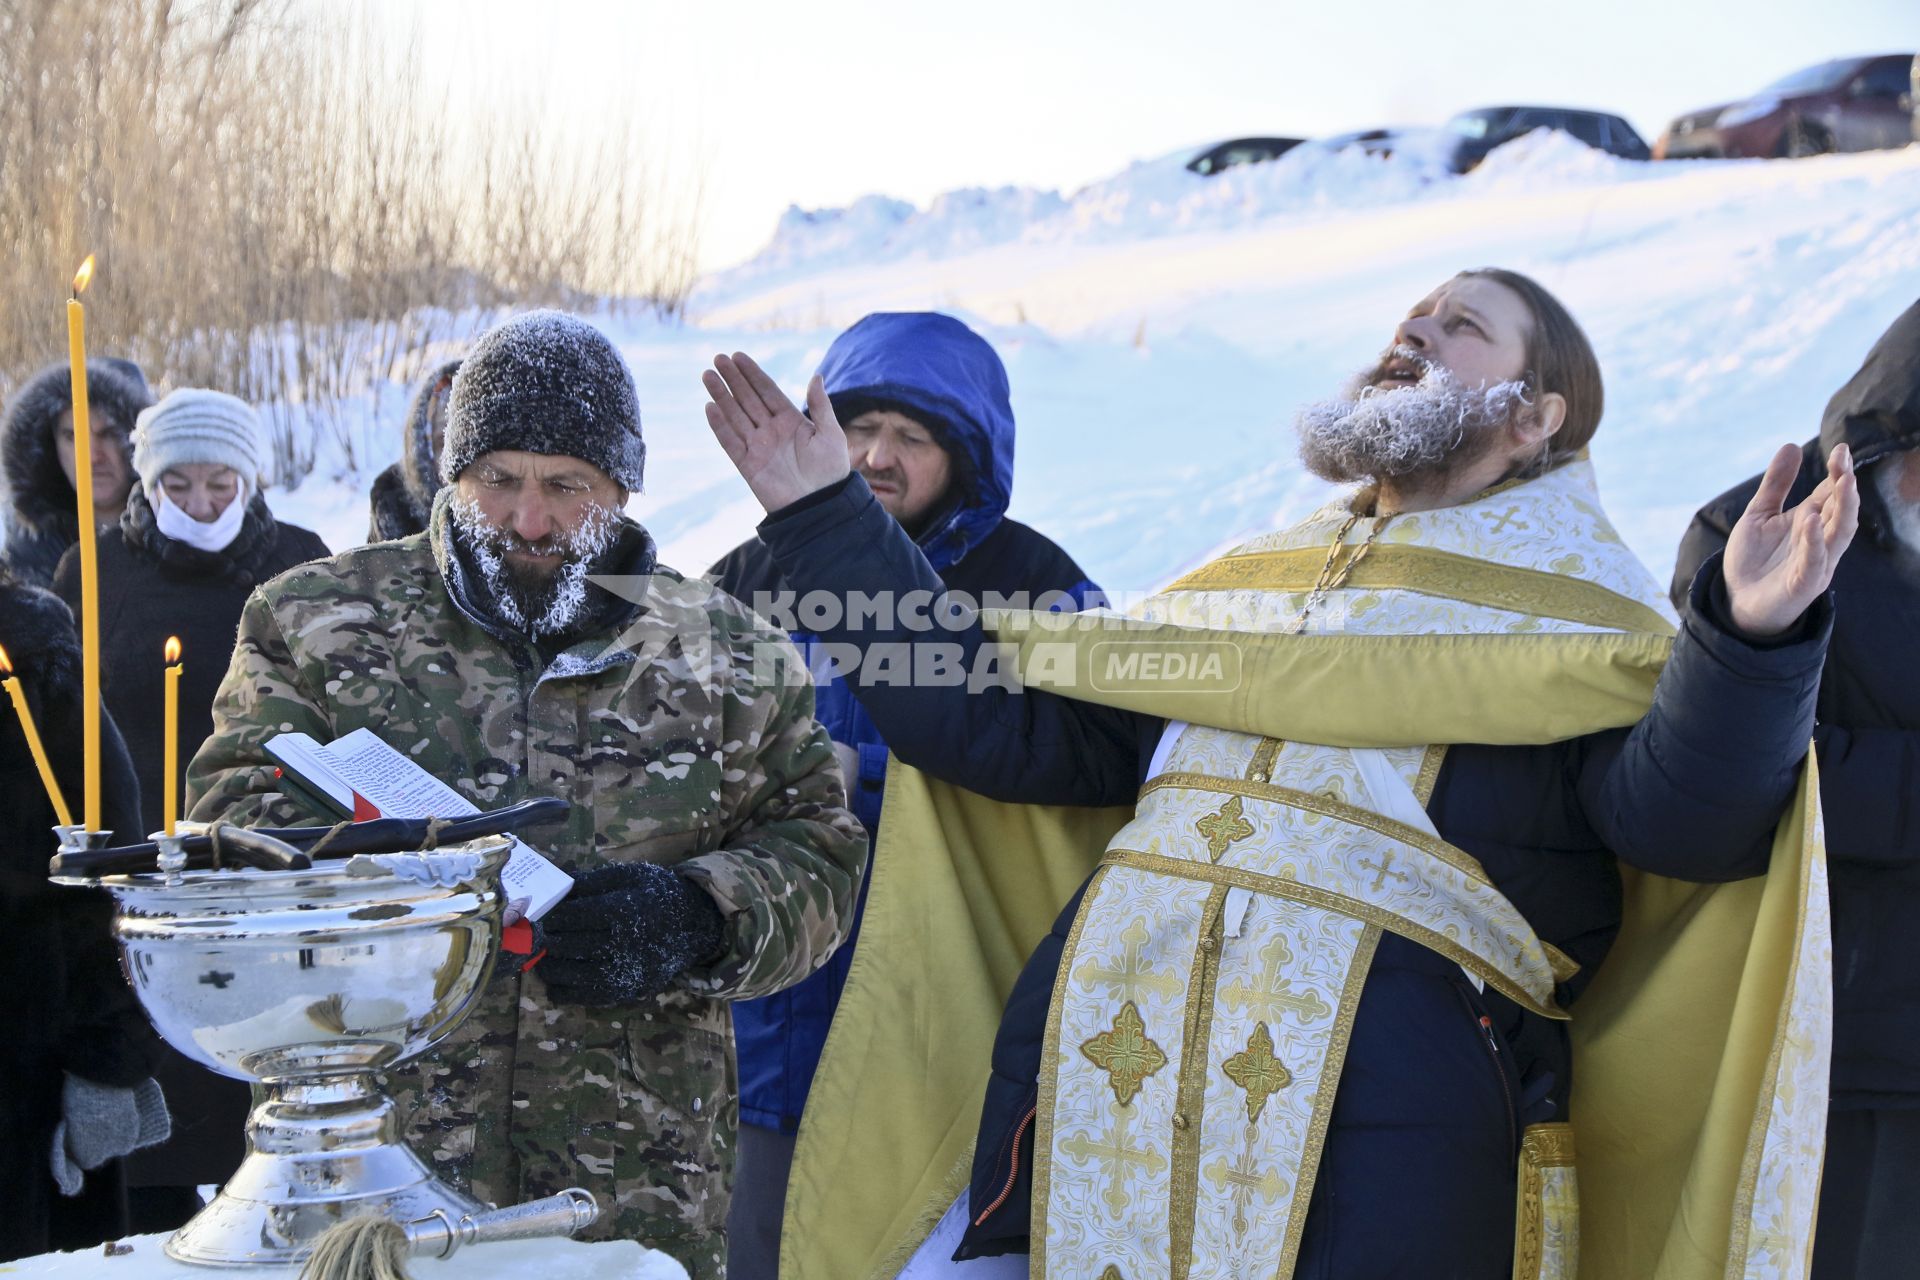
1511 516
1114 1156
1125 1053
1246 1179
1385 868
1275 994
1224 826
1131 976
1258 1071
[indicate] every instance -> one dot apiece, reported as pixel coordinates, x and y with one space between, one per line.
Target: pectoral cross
1132 976
1115 1157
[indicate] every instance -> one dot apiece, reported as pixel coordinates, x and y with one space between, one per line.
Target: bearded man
714 855
1308 1016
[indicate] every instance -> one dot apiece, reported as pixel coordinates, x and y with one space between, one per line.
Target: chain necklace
1335 572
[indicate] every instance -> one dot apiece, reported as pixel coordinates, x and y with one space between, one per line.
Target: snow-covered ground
1160 328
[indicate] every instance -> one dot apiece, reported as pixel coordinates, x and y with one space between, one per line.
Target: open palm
783 454
1779 561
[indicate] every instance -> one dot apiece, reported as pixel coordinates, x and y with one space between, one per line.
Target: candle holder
75 838
172 858
307 982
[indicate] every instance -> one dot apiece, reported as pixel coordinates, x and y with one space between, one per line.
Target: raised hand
1778 562
782 454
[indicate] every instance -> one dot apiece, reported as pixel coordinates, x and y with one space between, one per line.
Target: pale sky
779 102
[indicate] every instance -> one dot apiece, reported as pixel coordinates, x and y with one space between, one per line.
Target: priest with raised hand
1356 812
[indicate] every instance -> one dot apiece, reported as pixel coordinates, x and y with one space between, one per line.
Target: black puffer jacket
152 587
68 1007
402 496
1869 729
43 518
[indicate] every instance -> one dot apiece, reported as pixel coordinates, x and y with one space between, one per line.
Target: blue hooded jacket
940 373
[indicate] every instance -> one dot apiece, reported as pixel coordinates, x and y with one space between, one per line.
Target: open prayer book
365 778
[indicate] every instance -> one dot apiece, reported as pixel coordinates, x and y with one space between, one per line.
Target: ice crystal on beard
1389 433
557 604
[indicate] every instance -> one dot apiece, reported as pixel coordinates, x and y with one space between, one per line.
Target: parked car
1238 151
1381 142
1472 134
1848 104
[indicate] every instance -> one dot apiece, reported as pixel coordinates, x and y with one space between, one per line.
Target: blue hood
944 373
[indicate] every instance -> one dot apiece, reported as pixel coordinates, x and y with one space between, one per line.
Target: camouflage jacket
690 742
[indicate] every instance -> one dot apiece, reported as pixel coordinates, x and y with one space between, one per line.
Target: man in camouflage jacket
679 727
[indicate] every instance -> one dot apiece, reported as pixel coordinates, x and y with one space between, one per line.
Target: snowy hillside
1159 328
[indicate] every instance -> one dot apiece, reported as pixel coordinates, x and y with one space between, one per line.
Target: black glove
624 932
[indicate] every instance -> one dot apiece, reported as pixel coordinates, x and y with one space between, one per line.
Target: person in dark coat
1869 749
36 448
76 1037
930 426
196 538
402 497
1693 791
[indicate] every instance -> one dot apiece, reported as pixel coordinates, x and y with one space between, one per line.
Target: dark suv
1849 104
1472 134
1232 154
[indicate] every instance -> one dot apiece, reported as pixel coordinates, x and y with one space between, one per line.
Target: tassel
364 1248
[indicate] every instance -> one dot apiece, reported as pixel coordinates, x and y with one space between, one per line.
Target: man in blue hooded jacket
929 425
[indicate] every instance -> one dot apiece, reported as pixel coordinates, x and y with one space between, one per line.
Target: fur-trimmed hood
418 465
42 497
402 494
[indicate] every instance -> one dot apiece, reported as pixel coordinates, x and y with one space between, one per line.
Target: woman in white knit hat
195 540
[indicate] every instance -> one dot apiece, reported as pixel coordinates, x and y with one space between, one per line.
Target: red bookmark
363 809
518 939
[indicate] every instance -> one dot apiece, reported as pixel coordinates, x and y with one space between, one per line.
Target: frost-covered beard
1421 432
532 601
1903 514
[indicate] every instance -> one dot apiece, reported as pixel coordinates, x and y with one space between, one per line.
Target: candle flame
83 277
173 649
6 667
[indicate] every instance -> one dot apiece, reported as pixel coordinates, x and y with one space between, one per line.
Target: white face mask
212 535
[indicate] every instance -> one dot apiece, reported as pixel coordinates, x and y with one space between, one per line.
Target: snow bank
1152 198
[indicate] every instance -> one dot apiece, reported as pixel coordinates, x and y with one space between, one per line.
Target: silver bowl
306 983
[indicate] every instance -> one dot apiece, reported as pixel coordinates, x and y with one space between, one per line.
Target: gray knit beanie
546 382
196 425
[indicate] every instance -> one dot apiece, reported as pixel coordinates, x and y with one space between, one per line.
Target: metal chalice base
307 983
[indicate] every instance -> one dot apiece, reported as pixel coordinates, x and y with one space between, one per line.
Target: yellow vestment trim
1546 1236
1190 1105
1327 807
1354 691
1430 571
1294 891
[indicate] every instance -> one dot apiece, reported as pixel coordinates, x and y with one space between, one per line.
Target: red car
1849 104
